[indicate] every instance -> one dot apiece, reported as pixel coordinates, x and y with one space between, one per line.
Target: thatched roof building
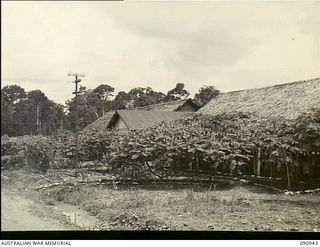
177 105
101 123
139 119
288 100
183 105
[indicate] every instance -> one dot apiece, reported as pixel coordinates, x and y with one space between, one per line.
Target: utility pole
76 92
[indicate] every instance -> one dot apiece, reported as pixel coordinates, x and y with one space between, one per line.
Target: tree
38 115
177 93
121 100
13 93
206 93
104 93
91 105
87 112
145 96
39 109
10 97
137 97
28 113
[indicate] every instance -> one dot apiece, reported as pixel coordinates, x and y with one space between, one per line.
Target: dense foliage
205 94
31 152
225 143
179 92
92 104
229 143
32 113
26 113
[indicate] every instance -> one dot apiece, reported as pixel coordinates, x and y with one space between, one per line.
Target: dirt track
21 214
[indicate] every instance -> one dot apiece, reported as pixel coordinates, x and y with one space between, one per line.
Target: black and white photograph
160 117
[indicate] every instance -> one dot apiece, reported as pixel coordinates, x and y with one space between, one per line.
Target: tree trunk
288 176
298 166
271 173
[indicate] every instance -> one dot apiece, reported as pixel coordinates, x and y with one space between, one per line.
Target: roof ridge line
275 85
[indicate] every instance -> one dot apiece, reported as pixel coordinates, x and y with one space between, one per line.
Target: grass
239 208
235 209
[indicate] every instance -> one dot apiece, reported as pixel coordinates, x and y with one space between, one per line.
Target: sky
230 45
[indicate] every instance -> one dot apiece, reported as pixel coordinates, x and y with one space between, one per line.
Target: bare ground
90 206
21 214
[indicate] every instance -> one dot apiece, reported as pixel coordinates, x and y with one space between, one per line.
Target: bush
31 152
12 161
226 143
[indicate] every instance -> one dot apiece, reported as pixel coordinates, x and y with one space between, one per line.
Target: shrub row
199 143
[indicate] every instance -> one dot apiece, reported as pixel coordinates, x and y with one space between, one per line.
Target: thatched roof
288 100
101 123
169 106
139 119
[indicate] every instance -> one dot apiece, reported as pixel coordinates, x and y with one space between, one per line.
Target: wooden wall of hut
303 166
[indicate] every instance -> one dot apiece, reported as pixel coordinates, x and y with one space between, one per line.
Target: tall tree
13 93
28 113
10 97
91 105
205 94
122 100
86 112
38 115
137 97
177 93
104 93
145 96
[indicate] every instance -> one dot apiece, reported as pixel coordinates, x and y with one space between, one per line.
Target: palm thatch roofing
288 100
175 105
101 123
139 119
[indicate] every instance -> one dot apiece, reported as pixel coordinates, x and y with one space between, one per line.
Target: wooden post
254 165
298 166
210 170
189 162
258 161
313 162
197 162
271 170
288 176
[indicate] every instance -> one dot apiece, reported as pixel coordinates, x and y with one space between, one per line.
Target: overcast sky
231 45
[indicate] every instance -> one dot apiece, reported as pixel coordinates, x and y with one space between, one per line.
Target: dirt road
21 214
